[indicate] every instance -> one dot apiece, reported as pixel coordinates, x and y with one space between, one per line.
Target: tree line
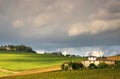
17 48
61 54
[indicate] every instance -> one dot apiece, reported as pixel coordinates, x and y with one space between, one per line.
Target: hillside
113 57
14 62
25 61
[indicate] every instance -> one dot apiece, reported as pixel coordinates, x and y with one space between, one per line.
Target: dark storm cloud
60 23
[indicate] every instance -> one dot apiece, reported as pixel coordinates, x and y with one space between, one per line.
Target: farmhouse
96 61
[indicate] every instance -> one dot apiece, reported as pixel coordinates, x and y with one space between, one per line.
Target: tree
18 48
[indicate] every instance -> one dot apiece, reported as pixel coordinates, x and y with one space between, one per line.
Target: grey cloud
113 6
53 23
106 18
109 11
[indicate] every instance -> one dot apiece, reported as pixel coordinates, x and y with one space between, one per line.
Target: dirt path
41 70
4 70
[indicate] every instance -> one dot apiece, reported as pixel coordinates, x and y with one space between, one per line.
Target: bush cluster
76 66
103 65
72 65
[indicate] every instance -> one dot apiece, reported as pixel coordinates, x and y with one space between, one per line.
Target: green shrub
92 66
76 66
81 66
117 64
64 67
102 65
112 66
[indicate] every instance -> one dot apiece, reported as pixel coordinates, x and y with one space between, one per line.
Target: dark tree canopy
17 48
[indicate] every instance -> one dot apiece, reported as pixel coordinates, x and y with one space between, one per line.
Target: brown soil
4 70
41 70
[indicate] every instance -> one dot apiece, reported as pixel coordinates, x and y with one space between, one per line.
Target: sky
71 26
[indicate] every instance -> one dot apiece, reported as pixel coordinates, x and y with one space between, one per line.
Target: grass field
27 61
74 74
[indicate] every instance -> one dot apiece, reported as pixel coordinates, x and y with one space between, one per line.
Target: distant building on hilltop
96 61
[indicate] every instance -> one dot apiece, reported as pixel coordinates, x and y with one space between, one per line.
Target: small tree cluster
103 65
16 48
57 53
72 65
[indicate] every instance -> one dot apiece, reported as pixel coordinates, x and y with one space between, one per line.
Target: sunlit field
27 61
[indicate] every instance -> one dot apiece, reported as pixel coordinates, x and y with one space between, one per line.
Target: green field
25 61
73 74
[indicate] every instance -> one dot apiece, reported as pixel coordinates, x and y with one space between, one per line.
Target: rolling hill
113 57
26 61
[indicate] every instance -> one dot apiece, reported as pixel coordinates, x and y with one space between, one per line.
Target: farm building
96 61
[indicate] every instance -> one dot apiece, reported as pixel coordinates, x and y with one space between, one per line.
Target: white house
93 59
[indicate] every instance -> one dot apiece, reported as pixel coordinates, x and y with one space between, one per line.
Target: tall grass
74 74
